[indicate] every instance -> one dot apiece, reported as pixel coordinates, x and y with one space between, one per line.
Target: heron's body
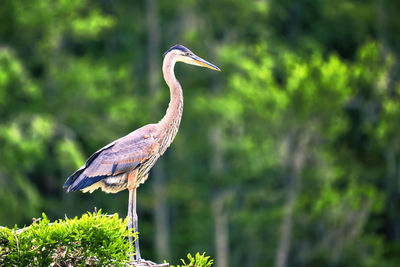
132 169
126 162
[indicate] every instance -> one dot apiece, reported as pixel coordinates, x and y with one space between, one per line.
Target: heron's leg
135 226
130 224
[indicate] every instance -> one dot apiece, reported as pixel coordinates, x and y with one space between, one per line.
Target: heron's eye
187 54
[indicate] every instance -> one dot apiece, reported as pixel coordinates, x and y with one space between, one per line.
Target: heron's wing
121 156
124 156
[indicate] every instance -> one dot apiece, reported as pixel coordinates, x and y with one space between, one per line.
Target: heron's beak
201 62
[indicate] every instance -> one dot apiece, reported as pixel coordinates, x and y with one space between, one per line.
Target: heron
126 162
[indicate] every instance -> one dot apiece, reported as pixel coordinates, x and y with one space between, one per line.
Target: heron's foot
147 263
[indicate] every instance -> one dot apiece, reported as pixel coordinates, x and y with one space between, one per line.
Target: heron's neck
172 118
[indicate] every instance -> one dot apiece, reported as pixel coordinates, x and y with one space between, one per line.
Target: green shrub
94 239
200 260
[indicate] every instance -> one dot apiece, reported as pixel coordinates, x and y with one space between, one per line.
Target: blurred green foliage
297 137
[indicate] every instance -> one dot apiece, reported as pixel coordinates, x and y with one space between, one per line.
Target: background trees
289 156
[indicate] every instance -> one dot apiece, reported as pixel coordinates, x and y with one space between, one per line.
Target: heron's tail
73 177
78 180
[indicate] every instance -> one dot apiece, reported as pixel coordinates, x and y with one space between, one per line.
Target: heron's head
182 54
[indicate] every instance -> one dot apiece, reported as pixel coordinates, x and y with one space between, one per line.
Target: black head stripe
177 47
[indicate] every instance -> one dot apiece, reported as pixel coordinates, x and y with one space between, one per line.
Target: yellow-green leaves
199 260
94 239
92 25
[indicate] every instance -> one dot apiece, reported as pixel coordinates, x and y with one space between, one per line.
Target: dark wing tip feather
84 182
73 177
71 180
114 167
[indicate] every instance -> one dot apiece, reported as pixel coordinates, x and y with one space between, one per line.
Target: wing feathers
76 174
73 177
122 156
84 182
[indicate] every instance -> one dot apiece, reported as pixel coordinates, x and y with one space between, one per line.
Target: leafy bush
197 261
93 240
